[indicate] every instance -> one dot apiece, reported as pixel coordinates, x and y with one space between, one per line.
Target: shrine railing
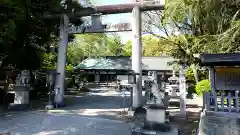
222 101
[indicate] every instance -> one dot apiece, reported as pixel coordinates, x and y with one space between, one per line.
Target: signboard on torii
120 27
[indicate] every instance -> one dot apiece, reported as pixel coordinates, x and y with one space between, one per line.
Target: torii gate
97 26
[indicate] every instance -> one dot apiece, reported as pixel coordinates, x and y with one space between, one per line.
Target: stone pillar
61 62
182 89
137 57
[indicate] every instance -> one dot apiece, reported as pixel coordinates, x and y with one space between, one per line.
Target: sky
117 18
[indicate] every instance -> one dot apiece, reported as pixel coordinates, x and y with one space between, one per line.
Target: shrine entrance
96 27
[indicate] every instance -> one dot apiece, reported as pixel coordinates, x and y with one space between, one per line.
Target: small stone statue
23 79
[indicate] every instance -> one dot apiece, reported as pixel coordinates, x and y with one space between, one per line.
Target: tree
93 45
75 53
151 46
24 33
127 48
113 45
197 26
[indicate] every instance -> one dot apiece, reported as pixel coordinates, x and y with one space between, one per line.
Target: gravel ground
99 112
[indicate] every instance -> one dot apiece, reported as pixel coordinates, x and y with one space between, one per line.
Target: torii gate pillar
137 57
61 62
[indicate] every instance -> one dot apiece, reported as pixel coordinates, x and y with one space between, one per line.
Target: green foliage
49 60
203 86
127 49
213 26
190 75
75 53
93 45
69 67
113 46
99 44
151 46
193 27
87 45
24 34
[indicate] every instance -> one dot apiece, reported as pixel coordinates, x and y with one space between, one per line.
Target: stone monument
155 121
21 91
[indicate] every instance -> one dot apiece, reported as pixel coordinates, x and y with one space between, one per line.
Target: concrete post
182 88
137 57
61 62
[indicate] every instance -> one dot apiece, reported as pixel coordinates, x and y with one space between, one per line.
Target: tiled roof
124 63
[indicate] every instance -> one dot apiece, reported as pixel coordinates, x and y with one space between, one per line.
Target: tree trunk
195 73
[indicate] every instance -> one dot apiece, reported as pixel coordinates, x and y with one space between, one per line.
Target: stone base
59 105
21 96
130 113
13 106
49 107
136 111
153 126
141 131
156 114
219 123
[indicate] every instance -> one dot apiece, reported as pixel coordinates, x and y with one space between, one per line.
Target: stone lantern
173 86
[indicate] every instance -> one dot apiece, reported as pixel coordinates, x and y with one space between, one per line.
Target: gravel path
101 112
46 123
93 114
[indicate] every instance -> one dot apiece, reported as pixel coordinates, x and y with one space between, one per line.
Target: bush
190 75
203 86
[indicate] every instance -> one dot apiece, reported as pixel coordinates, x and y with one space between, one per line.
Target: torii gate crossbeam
105 10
